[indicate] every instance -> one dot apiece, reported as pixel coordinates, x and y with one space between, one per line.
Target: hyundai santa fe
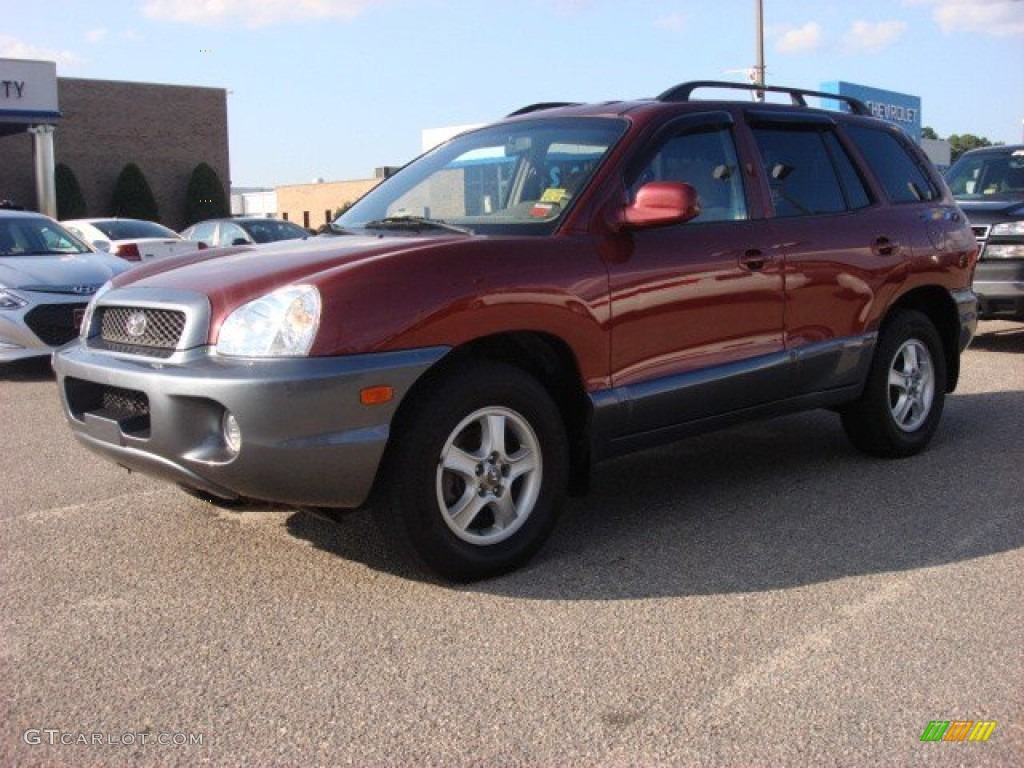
576 281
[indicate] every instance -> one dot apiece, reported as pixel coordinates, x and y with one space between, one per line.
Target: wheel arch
546 358
935 302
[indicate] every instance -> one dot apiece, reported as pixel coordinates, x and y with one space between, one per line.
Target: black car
989 186
215 233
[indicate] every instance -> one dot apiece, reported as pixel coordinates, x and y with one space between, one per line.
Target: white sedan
131 239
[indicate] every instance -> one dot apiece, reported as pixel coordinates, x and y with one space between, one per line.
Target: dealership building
96 127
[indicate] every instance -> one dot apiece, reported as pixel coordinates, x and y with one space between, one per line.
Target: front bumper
306 439
999 284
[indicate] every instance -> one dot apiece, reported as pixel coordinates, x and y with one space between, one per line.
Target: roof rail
683 91
542 105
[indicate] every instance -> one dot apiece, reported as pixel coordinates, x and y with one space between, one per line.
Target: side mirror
240 241
659 203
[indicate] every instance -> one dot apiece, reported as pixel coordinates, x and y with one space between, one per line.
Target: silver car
47 276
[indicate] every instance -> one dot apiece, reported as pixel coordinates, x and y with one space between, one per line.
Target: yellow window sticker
554 195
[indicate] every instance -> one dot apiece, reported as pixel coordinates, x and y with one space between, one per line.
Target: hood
61 273
980 210
237 274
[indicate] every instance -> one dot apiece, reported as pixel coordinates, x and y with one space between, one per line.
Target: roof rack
542 105
683 91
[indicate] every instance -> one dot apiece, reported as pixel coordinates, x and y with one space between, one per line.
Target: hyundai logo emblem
135 324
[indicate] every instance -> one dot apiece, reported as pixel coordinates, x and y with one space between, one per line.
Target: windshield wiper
415 224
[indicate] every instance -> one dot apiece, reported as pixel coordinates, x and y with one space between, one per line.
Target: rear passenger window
899 172
808 172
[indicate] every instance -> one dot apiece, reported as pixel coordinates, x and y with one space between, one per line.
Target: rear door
845 253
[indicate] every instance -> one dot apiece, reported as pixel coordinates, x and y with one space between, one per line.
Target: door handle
883 246
754 260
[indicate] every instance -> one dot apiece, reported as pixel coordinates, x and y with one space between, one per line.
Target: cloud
800 39
674 22
999 18
865 36
96 35
13 48
255 13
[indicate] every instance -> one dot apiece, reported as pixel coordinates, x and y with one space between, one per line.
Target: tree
205 197
962 143
133 199
929 133
70 200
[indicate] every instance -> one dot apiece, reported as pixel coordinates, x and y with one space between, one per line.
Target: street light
759 67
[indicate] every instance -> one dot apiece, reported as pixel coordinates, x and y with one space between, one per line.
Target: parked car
131 239
569 284
989 186
47 276
221 232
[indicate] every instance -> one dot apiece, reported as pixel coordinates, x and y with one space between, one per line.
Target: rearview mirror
659 203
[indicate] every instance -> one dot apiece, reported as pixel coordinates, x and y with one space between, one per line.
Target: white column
42 150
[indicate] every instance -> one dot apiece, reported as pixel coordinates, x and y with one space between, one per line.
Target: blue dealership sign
901 109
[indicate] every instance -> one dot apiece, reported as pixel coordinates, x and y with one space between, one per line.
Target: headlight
90 309
1008 228
11 300
280 324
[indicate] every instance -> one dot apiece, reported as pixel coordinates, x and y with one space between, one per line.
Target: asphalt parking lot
760 596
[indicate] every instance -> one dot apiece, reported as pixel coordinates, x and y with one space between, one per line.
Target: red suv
569 284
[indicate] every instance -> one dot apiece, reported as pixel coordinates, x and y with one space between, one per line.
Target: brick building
311 205
165 129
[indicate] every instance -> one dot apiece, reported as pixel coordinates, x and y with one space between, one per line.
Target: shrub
133 199
70 200
205 197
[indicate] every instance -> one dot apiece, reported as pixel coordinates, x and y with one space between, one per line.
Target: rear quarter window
894 164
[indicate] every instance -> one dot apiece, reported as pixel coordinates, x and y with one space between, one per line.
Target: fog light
232 432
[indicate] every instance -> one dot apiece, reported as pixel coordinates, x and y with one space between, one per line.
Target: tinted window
270 230
705 159
856 193
131 229
800 170
904 180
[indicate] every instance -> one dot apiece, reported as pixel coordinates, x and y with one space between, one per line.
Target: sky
332 89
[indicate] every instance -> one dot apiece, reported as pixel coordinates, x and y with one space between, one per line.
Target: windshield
133 229
988 176
271 230
517 178
31 236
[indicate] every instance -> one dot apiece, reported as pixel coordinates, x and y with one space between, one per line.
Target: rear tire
905 391
474 473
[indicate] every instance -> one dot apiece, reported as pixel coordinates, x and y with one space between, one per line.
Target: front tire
905 391
475 472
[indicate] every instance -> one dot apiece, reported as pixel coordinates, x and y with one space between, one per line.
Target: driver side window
706 159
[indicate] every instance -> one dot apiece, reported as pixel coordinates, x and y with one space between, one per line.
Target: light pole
759 67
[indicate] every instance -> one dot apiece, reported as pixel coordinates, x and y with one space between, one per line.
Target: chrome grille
141 327
980 231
